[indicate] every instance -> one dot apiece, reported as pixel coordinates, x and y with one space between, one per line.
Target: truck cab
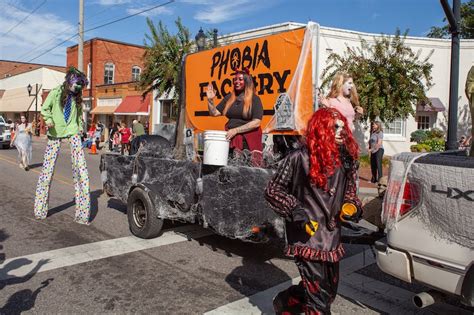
5 134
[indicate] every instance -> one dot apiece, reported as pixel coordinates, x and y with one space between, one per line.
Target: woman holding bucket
244 110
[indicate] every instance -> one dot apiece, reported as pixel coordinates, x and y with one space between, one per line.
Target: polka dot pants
79 174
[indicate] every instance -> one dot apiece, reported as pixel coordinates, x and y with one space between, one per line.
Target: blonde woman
22 142
343 97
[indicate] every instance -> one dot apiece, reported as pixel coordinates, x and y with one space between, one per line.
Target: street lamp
201 40
214 37
29 88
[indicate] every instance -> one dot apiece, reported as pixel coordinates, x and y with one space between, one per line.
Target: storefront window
169 112
136 73
396 128
423 122
109 73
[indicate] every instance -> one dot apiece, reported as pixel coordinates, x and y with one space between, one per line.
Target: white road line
261 302
54 259
357 294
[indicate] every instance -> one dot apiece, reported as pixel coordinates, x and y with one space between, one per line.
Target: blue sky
24 38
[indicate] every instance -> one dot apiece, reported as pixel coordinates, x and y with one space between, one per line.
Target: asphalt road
57 266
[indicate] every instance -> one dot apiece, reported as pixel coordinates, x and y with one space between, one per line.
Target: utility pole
80 52
453 17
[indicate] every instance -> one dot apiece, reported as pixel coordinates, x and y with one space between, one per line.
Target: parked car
429 212
5 135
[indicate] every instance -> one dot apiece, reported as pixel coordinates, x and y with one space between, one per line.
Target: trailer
229 199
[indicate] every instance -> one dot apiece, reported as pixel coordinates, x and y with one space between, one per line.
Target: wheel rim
139 213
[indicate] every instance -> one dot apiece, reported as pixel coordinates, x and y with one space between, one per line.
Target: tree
466 25
390 77
164 54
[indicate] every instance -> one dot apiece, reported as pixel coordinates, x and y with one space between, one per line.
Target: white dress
23 142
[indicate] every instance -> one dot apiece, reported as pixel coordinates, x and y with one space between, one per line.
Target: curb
367 190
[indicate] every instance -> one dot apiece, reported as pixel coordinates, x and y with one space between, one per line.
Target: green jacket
52 112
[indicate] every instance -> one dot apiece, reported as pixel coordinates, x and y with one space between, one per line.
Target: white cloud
154 12
38 33
113 2
217 11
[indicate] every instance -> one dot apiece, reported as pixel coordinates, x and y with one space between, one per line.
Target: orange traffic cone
93 148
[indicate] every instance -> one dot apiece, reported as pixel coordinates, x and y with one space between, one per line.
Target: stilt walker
310 188
62 113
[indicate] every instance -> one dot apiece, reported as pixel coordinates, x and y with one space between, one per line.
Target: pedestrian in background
376 151
125 135
137 129
114 137
22 139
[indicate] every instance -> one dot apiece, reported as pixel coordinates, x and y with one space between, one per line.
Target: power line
55 36
94 28
23 20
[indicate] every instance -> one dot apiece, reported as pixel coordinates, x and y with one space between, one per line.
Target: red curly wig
322 148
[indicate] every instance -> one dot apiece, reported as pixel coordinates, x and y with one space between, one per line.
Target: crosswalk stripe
59 258
261 302
361 293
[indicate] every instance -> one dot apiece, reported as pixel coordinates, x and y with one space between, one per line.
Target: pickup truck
5 135
429 213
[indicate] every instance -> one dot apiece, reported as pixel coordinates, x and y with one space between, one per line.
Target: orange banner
272 61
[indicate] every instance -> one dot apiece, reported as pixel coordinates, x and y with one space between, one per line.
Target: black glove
355 217
301 218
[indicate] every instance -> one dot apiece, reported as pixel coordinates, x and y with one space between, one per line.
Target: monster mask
76 80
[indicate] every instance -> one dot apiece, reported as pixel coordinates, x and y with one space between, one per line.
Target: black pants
376 165
315 292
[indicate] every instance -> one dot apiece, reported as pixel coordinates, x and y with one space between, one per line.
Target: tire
142 218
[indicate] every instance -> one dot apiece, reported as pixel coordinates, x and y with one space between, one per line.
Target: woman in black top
244 110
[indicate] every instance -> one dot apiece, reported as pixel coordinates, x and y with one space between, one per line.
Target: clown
62 113
309 189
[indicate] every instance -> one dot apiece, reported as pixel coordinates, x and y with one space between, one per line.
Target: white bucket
216 147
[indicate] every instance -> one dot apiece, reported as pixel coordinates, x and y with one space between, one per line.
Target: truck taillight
411 197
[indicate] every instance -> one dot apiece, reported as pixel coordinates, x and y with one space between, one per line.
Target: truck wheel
142 218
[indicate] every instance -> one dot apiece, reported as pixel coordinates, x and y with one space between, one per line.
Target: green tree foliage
390 77
466 25
163 56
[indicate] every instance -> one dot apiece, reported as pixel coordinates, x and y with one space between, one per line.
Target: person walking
62 112
22 139
376 151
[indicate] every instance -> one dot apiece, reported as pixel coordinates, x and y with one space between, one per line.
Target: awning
104 110
434 105
18 101
134 105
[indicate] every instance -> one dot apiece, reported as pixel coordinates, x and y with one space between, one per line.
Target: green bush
420 147
419 136
436 145
435 133
364 160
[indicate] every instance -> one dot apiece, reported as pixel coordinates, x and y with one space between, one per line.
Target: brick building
112 68
10 68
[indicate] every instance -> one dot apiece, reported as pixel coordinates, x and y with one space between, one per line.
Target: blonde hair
338 81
